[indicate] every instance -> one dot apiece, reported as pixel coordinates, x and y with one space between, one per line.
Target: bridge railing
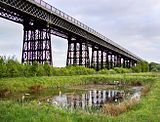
78 23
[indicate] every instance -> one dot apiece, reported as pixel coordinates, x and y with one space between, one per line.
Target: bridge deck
57 19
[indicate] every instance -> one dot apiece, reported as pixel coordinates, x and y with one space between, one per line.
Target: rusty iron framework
78 53
37 45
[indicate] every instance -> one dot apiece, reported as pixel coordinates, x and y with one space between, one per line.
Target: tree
2 67
40 70
13 67
142 66
154 67
47 69
34 68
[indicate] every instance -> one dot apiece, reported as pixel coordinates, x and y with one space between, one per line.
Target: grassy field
148 110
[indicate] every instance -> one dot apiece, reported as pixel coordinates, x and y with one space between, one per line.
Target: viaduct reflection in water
94 98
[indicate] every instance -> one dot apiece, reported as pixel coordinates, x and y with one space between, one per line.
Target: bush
122 70
12 68
142 66
80 70
112 71
104 71
3 67
154 67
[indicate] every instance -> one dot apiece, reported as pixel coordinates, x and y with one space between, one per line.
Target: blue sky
133 24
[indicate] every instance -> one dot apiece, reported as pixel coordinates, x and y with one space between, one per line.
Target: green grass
148 110
22 84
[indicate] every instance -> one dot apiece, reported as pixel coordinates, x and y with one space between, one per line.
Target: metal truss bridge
40 20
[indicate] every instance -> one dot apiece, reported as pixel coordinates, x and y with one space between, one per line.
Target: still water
79 98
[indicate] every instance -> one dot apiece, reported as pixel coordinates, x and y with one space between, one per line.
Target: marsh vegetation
29 93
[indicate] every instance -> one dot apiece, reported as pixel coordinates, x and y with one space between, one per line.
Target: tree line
10 67
154 67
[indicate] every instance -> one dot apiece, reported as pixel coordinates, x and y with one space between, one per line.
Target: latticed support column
78 53
102 59
37 45
115 60
124 62
129 63
99 59
111 61
95 59
119 60
107 60
133 64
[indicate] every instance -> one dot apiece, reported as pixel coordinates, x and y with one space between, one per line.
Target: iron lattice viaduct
40 20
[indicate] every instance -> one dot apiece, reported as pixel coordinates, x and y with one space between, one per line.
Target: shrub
142 66
47 69
122 70
112 71
3 67
13 68
80 70
104 71
116 109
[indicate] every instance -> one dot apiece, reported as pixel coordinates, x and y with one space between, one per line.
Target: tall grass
22 83
117 109
147 110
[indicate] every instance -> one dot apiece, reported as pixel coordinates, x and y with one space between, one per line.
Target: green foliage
47 69
34 68
147 109
26 70
80 70
141 66
115 71
12 68
112 71
104 71
41 70
107 72
154 67
3 67
22 83
122 70
72 70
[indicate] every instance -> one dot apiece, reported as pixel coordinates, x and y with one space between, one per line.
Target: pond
82 97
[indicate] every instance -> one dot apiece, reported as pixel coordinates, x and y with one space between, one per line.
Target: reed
117 109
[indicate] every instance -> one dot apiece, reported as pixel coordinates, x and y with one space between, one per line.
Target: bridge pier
78 52
115 60
123 63
94 60
111 61
118 61
107 60
99 58
36 45
104 59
